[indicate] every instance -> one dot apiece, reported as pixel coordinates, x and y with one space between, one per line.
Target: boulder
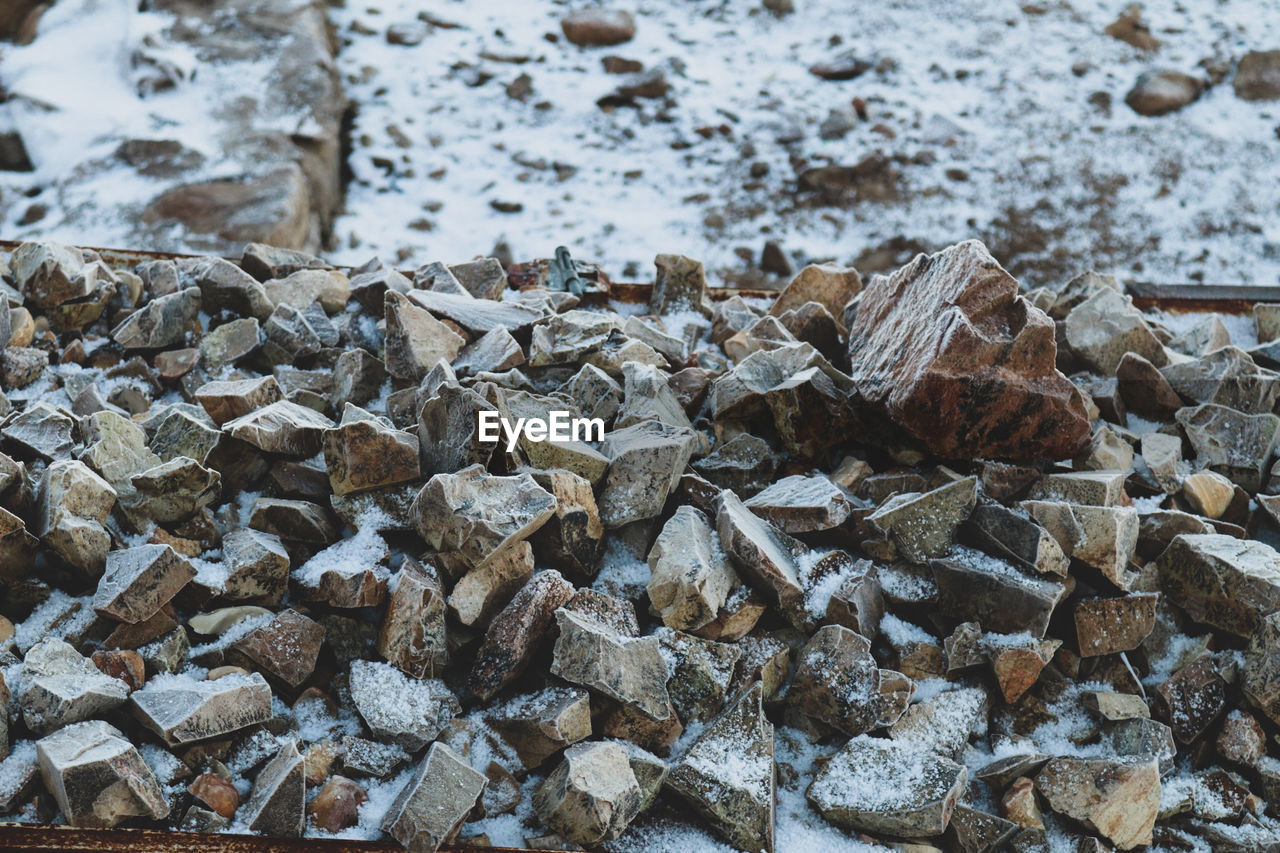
592 796
97 777
1118 799
1258 76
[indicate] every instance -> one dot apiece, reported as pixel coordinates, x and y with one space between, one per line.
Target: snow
363 551
901 633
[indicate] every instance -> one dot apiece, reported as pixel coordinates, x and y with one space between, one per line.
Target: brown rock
979 378
337 804
227 400
1019 804
285 648
1192 698
540 725
1117 799
1242 740
1145 390
413 636
216 793
363 453
516 632
486 588
124 664
1017 665
596 27
1222 581
573 537
277 803
1108 625
592 796
626 669
139 581
1258 76
430 809
838 682
97 777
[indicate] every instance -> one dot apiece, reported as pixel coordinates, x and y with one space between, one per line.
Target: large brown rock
1118 799
1222 581
97 777
952 354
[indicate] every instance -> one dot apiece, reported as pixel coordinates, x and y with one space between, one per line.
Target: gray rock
477 316
570 337
630 670
838 682
689 573
302 287
139 581
1234 444
43 430
277 803
477 514
999 596
645 464
1102 328
230 342
97 777
175 490
483 278
1227 377
362 757
539 725
494 351
358 377
944 723
765 556
74 503
728 774
1145 738
415 340
1222 581
1104 537
597 394
1013 536
413 635
449 431
913 793
60 687
257 566
370 287
647 395
744 464
487 587
801 504
294 521
923 526
160 323
1260 676
702 672
407 712
50 274
290 335
286 648
434 803
573 537
592 796
282 427
182 710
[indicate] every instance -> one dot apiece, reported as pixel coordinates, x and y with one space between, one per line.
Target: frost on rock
838 682
182 709
97 777
1118 799
690 576
60 687
406 711
592 796
630 670
430 809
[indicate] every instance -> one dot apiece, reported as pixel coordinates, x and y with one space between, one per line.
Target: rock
1106 326
765 556
645 464
838 682
689 573
336 806
973 586
43 430
486 588
857 602
647 395
160 323
1227 377
744 464
829 285
1145 390
295 521
1107 452
286 648
494 351
477 514
1208 492
434 803
1013 536
1130 28
1192 698
60 687
476 316
702 672
1258 76
358 378
515 633
257 566
630 670
217 793
592 796
1115 707
415 340
1261 672
363 453
923 526
449 433
977 830
844 66
728 774
20 366
50 274
227 400
1117 799
282 427
97 777
1162 455
1242 740
1234 444
680 285
139 581
1108 625
408 712
1221 581
1156 93
1017 661
538 726
413 636
362 757
573 536
597 27
277 803
173 491
181 709
944 723
301 288
913 795
800 504
965 384
74 503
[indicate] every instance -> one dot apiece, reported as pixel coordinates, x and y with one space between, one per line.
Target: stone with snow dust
277 803
97 777
592 796
1118 799
59 687
408 712
689 573
182 709
627 669
434 803
516 633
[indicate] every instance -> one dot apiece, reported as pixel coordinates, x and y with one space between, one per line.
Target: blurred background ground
420 130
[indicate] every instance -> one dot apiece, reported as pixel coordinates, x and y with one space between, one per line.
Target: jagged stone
645 464
627 669
680 285
1234 444
944 723
857 602
647 395
728 774
766 333
573 537
160 323
477 316
1192 698
50 274
574 455
1222 581
97 777
1144 389
60 687
282 427
230 342
363 453
369 286
592 796
17 547
800 504
923 526
652 332
1013 536
173 491
569 337
257 566
181 709
515 633
1225 377
20 366
1104 537
701 674
487 587
302 287
597 394
1017 661
539 725
829 285
1115 707
1162 454
493 352
914 793
1109 625
744 464
1104 327
227 400
139 581
838 682
999 596
362 757
1260 676
415 340
1117 799
1208 492
223 285
286 648
689 573
449 433
413 636
988 389
277 804
477 514
407 712
295 521
216 793
764 555
43 430
358 378
434 803
978 832
742 610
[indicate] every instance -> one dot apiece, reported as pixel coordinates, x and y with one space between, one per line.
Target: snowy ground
976 104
